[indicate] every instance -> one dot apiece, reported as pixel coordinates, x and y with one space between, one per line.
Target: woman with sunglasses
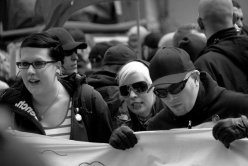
43 103
134 81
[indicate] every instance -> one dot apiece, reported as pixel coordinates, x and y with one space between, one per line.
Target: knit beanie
118 55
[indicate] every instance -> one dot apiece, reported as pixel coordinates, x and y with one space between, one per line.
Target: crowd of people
183 79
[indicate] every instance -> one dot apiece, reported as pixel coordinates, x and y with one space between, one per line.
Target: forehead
132 78
237 11
30 53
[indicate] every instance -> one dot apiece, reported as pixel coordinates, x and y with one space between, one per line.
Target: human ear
200 23
58 66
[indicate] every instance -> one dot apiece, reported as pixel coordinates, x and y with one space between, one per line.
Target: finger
118 145
125 140
218 129
131 137
115 142
229 138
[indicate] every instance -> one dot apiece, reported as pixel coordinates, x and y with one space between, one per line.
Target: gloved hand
230 129
123 138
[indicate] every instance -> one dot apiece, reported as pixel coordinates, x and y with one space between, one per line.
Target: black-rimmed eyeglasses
35 64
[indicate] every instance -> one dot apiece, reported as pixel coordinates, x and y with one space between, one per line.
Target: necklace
49 105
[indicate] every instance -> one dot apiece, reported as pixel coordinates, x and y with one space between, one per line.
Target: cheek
127 100
188 100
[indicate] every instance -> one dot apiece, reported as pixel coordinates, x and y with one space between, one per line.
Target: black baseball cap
170 65
67 41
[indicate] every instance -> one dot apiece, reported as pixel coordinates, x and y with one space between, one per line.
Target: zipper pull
190 124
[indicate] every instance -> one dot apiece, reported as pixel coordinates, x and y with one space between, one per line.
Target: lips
33 81
136 105
74 66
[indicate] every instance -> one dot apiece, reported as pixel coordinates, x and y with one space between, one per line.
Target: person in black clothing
69 64
226 56
134 81
192 97
104 81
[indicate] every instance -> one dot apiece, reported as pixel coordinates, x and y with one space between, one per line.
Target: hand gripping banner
181 147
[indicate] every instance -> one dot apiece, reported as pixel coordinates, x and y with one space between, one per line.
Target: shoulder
3 85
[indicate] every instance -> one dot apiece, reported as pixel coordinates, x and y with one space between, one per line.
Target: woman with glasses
134 81
44 103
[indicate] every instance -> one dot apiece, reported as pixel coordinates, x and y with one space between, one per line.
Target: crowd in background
108 90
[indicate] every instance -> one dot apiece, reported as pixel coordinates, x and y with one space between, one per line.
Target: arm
101 124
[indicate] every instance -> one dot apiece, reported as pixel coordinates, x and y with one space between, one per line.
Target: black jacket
212 100
96 125
104 81
226 59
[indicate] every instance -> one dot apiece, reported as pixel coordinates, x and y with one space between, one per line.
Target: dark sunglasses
137 87
172 89
35 64
70 52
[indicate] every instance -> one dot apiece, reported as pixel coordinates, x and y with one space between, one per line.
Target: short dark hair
45 40
236 4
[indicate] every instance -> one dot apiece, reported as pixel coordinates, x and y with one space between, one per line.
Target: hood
72 82
231 45
208 93
102 78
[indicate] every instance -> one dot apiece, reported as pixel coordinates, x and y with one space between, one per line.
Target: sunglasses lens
124 90
161 93
69 52
176 88
140 87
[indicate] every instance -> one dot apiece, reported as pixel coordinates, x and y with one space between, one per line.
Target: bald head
216 14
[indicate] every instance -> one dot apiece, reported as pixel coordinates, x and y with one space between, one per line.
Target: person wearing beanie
104 80
97 53
151 44
192 97
225 57
70 46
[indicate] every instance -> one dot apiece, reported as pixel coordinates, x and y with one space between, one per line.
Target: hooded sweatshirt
212 100
226 60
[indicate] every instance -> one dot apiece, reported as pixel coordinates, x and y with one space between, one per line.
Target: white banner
183 147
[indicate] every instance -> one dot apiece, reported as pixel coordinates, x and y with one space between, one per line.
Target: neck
48 96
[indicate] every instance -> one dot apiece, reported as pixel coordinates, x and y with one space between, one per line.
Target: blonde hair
131 68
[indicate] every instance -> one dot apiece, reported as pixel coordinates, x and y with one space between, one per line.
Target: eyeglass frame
167 90
44 63
130 87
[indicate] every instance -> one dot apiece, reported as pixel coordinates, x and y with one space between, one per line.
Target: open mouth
33 82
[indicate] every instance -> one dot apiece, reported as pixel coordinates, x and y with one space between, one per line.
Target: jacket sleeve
101 123
204 64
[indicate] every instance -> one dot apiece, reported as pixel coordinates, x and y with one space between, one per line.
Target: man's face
70 63
238 17
181 96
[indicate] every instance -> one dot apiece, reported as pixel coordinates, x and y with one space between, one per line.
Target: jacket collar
220 35
208 92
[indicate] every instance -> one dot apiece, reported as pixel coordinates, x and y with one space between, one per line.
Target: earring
58 73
